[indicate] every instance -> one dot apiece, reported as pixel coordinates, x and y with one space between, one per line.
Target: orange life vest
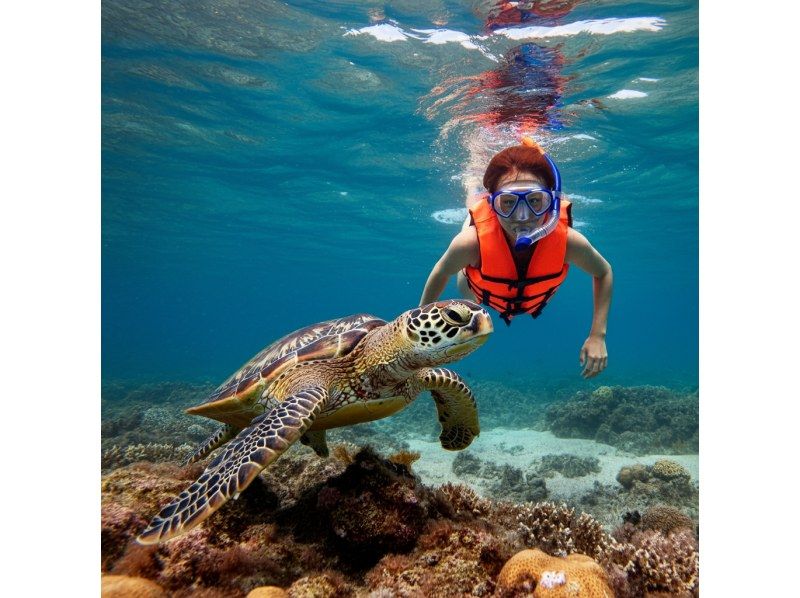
498 284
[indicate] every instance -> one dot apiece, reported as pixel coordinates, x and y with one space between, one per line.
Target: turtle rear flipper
455 403
253 449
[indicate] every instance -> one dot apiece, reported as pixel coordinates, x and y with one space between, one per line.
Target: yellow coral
122 586
267 592
404 458
667 470
548 576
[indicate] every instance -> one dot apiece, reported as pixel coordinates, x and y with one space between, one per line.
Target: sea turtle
336 373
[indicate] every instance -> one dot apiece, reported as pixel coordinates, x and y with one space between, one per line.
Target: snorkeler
516 246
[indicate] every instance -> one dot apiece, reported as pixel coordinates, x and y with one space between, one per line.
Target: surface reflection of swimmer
517 245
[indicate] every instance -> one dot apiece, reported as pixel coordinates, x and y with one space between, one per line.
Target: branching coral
459 500
656 562
545 575
556 530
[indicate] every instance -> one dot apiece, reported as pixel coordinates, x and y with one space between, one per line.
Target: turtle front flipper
458 412
213 442
253 449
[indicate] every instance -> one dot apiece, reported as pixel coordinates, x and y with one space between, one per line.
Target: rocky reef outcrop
639 419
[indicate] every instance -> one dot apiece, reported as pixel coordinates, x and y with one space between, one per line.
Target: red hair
519 158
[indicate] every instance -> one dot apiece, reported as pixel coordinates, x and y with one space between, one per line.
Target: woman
516 246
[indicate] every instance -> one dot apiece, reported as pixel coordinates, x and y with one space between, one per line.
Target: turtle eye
454 317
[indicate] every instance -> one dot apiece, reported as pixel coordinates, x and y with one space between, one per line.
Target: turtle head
445 331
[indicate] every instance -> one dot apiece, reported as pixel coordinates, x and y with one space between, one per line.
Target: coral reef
117 456
641 419
366 526
451 559
639 489
569 466
545 575
646 561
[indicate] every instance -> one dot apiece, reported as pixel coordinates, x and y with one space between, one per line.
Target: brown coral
267 592
664 518
459 500
545 575
633 473
326 585
122 586
668 470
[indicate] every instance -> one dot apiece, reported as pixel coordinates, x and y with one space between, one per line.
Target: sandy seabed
520 448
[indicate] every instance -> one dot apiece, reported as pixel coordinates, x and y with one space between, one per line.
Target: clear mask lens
539 201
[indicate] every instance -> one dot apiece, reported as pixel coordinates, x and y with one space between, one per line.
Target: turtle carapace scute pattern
332 374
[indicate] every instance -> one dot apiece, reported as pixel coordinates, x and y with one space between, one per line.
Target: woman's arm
593 354
462 252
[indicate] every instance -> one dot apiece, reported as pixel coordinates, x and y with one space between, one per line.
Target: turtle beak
480 328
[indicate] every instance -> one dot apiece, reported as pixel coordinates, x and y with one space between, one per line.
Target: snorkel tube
527 237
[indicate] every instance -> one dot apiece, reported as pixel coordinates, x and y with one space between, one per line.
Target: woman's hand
593 356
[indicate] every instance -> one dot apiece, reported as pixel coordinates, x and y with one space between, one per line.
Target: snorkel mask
506 202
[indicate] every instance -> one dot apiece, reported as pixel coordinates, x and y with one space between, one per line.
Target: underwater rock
569 466
513 484
374 506
641 419
122 586
628 475
466 463
539 574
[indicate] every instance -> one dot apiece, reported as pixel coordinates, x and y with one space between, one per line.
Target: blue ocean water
267 165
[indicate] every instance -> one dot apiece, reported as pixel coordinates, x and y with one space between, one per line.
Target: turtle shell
326 340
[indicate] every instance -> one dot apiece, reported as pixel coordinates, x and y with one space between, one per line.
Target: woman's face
522 218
